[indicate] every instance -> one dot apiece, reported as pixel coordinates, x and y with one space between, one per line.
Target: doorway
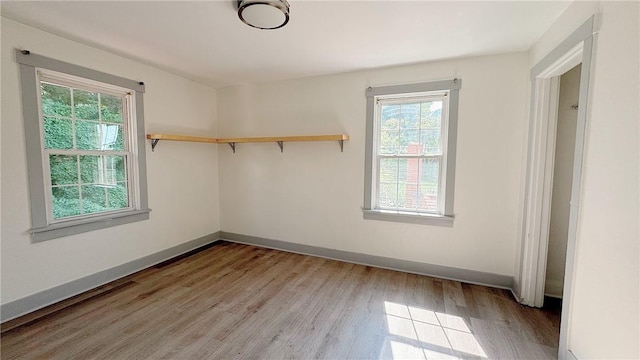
575 50
565 139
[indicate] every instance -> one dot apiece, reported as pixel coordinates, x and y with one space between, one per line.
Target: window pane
429 185
408 187
388 195
430 139
431 114
410 142
430 124
388 170
89 169
91 135
411 128
390 116
118 196
410 114
87 135
111 108
112 137
388 190
66 201
85 104
103 170
409 184
58 133
390 124
389 142
56 100
64 169
119 167
94 199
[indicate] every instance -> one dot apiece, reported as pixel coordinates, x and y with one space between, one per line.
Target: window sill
62 229
408 217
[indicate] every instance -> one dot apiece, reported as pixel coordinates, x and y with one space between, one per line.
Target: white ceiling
206 41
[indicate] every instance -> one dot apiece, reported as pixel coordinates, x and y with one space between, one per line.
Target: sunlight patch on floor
415 333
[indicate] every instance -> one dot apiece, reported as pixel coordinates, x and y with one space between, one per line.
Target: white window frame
128 117
35 69
376 97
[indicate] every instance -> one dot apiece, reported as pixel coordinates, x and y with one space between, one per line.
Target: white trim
565 63
571 356
540 170
132 165
549 120
444 144
575 49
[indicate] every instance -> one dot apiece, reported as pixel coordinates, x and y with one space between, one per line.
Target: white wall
562 176
604 319
313 194
182 177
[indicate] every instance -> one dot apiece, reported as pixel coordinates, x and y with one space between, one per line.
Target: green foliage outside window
84 184
409 129
411 123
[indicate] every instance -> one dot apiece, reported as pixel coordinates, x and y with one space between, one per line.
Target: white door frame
538 204
575 49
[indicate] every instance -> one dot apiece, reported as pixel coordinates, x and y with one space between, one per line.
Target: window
410 158
85 147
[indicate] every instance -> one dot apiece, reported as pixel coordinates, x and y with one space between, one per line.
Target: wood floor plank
233 301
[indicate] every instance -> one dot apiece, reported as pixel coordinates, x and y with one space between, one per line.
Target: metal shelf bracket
341 142
154 142
281 145
233 146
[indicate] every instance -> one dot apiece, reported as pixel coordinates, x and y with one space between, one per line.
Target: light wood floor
238 301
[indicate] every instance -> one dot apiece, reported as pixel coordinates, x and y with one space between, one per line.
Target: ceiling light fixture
264 14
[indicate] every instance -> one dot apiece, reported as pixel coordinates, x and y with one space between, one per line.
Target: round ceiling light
264 14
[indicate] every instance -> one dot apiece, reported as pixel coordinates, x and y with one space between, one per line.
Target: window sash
132 204
393 99
440 193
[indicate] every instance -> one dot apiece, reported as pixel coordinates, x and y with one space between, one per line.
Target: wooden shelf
181 138
157 137
340 137
280 140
